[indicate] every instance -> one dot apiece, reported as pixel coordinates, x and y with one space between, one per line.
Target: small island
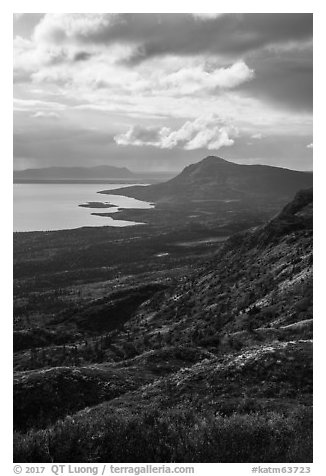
97 205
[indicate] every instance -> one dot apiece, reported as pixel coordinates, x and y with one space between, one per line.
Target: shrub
177 435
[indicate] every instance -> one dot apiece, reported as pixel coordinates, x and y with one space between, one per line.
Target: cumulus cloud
31 56
190 80
205 132
118 70
310 146
92 69
166 78
60 28
207 51
154 34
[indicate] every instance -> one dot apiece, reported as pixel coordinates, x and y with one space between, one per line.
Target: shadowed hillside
221 356
217 179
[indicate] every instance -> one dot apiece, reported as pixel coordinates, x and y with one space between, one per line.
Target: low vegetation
174 436
132 348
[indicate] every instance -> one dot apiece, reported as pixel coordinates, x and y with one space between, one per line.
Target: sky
155 92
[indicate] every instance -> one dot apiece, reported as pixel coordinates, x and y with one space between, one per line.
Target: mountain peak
208 167
213 159
216 179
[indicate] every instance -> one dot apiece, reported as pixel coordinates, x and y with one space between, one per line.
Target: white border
204 6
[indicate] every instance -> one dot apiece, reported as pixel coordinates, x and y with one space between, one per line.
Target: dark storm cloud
230 35
273 45
283 77
82 56
141 78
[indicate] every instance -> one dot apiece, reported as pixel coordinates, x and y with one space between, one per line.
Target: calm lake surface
45 207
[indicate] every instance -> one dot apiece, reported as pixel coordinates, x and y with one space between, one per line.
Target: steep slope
222 370
214 178
259 284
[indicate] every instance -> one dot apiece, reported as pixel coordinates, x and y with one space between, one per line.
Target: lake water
45 207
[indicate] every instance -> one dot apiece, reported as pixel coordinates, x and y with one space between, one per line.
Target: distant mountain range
73 173
214 178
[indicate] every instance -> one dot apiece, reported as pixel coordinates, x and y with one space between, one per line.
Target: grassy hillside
211 364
